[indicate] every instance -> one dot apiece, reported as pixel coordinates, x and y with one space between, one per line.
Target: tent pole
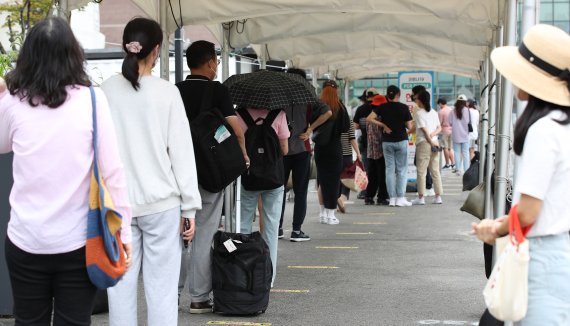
165 47
484 130
504 121
225 54
178 56
314 78
347 94
490 131
263 58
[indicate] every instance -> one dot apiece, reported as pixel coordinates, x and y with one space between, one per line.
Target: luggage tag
222 133
230 246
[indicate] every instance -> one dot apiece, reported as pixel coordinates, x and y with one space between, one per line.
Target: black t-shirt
362 112
192 90
394 115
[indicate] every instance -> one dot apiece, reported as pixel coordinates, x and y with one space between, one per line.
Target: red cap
379 100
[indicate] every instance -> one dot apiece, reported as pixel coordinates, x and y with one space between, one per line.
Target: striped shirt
345 139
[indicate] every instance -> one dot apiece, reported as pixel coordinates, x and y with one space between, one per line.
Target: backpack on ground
241 273
219 159
266 170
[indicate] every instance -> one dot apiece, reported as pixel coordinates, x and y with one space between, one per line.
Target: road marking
381 214
447 322
355 233
288 291
313 267
321 247
237 323
369 223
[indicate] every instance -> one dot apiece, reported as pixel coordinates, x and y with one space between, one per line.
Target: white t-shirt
428 120
474 113
544 173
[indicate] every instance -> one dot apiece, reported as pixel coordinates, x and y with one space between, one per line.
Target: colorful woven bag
104 249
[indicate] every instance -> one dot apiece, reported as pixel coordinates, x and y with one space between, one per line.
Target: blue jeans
271 201
396 157
461 151
548 281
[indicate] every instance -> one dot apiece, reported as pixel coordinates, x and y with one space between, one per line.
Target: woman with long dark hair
328 157
156 146
459 120
46 121
539 68
428 128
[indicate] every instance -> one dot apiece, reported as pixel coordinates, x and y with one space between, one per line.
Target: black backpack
266 159
219 159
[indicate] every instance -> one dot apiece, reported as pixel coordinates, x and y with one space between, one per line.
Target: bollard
6 302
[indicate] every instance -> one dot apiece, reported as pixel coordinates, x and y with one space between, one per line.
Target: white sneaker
323 219
419 201
392 202
332 221
437 200
430 192
403 202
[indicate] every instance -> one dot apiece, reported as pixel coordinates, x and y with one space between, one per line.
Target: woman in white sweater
156 147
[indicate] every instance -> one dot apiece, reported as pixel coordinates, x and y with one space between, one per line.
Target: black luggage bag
241 273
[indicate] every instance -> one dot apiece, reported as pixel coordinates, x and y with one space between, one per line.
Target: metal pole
63 10
225 54
165 47
504 121
314 78
178 56
491 133
484 130
347 93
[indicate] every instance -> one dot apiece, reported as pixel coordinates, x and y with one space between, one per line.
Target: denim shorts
548 281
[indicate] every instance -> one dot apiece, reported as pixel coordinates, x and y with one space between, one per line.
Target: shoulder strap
271 116
94 114
246 117
207 96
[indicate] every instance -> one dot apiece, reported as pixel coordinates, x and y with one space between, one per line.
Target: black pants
299 165
343 190
328 159
377 179
42 283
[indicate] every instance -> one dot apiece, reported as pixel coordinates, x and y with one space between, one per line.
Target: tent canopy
352 38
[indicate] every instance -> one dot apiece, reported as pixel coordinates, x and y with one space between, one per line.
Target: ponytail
130 69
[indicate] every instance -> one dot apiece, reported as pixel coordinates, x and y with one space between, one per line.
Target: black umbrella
270 90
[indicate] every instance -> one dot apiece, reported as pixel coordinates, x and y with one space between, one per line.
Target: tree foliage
22 15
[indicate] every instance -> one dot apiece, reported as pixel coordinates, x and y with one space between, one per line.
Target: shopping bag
506 292
354 177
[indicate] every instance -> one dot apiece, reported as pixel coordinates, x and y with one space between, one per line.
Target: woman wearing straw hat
539 69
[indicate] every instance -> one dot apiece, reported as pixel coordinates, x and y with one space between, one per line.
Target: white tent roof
353 38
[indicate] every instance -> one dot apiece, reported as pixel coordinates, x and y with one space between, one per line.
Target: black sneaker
368 201
299 237
383 202
201 307
280 234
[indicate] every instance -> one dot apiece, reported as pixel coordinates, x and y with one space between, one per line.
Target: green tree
22 15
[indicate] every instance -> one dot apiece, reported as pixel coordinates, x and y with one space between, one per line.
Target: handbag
469 125
354 177
105 259
475 202
471 176
506 292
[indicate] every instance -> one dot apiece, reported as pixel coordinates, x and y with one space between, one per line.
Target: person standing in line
328 157
359 121
156 147
46 121
348 141
427 147
539 69
271 199
446 141
203 63
395 119
376 163
416 90
303 120
474 135
459 121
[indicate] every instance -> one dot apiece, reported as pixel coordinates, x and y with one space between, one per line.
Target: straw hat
539 66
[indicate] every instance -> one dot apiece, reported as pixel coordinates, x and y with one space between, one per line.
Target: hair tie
133 47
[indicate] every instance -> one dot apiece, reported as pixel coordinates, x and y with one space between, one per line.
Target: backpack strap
271 116
246 117
207 96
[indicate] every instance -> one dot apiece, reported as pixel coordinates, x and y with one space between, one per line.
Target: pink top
53 158
444 120
279 124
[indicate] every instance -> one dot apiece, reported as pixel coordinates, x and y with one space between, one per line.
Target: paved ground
395 266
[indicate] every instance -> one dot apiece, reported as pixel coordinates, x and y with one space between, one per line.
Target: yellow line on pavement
321 247
355 233
289 291
369 223
313 267
237 323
